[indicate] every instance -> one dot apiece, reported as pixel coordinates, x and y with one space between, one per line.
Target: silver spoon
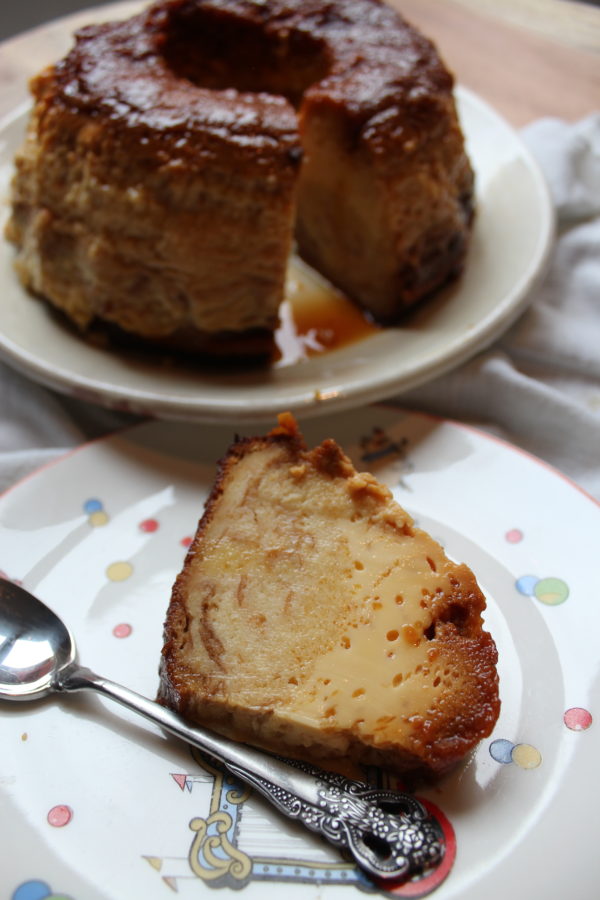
390 834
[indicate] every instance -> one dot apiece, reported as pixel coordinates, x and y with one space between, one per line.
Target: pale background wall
19 15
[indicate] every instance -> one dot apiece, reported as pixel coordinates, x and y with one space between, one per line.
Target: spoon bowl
390 834
35 645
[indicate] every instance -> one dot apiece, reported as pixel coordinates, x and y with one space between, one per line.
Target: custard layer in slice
312 618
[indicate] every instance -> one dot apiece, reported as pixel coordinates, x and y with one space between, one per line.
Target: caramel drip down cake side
313 618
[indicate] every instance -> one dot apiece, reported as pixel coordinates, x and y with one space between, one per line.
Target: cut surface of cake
313 619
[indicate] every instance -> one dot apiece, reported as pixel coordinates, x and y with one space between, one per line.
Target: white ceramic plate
512 237
95 803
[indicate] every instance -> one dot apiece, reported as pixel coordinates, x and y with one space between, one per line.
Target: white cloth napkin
538 386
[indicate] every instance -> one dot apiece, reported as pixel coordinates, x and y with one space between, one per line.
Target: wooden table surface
527 58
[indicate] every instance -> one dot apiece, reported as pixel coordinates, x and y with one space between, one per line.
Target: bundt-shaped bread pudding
314 619
170 159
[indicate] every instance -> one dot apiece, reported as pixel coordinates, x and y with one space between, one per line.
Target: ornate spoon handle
390 834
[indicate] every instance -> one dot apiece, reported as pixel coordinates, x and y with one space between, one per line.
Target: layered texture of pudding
313 619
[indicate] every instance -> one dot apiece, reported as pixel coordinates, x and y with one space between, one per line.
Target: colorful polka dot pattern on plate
97 515
36 890
523 755
528 757
149 525
501 750
514 536
549 591
119 571
577 719
60 815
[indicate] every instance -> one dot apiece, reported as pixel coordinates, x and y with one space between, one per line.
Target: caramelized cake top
238 68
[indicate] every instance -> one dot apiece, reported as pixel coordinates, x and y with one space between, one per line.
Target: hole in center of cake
219 51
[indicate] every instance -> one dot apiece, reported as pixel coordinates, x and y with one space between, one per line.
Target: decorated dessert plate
511 241
96 804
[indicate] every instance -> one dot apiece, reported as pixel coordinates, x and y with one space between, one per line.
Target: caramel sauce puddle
315 318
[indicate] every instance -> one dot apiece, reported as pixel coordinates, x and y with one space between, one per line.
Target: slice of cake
312 618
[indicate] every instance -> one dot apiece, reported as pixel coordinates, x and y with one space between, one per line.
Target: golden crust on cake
312 618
